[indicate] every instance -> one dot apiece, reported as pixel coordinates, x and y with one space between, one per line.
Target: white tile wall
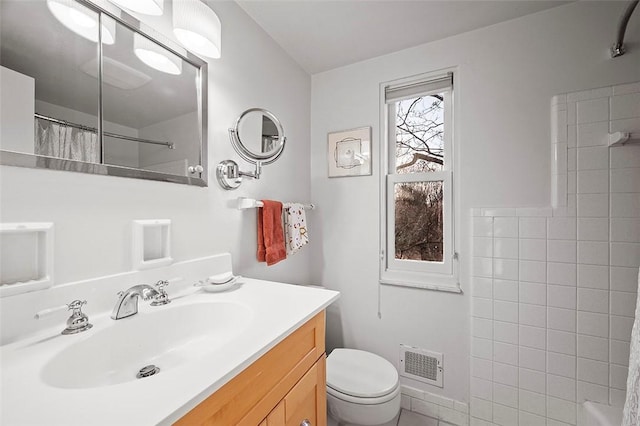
533 293
561 319
625 106
624 156
533 315
554 289
593 110
624 279
594 158
593 276
533 227
561 273
440 409
533 337
505 332
532 271
505 395
593 324
625 230
561 365
533 249
591 300
593 229
561 342
594 348
595 205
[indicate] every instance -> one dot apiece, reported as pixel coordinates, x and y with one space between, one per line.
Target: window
417 162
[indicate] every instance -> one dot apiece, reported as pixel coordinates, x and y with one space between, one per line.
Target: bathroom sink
166 337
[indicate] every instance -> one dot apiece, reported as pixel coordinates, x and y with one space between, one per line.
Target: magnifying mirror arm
230 176
255 174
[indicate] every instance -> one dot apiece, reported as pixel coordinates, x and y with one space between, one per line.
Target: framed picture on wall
349 152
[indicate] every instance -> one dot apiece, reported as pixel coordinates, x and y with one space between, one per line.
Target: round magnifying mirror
259 136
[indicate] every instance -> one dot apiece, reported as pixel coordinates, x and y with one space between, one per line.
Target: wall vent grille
422 365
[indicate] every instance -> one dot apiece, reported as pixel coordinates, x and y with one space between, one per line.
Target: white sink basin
166 337
200 341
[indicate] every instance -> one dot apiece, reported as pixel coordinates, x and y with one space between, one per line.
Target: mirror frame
248 155
19 159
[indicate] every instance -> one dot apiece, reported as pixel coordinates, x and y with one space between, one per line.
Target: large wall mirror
86 87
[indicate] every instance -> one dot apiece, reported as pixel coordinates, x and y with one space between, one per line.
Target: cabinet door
276 417
306 404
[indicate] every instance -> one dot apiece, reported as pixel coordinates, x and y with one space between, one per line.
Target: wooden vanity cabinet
306 402
284 387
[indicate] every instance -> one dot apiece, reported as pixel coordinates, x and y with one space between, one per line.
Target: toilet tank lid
360 373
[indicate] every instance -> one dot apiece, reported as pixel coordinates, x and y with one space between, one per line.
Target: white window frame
443 275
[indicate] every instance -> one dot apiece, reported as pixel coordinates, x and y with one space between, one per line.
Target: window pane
420 134
418 223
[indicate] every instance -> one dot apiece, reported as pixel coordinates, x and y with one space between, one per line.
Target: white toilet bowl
362 388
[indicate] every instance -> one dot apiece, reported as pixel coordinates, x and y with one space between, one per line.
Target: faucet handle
160 285
162 298
76 305
78 321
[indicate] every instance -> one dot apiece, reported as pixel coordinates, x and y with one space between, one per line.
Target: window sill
435 283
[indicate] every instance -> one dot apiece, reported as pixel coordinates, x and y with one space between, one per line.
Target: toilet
362 388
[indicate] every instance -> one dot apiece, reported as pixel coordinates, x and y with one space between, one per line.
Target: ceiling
321 35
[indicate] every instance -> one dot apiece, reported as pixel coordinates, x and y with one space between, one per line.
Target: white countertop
277 310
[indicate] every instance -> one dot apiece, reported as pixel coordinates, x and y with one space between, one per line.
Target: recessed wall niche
151 243
26 257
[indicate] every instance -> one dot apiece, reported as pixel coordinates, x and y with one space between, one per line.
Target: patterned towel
295 227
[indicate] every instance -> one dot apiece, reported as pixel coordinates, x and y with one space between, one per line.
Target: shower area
554 289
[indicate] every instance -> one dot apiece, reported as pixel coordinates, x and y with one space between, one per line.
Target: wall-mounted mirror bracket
254 121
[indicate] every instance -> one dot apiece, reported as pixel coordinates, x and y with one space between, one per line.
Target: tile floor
408 418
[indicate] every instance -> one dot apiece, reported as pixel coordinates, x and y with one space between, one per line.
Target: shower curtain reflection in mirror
61 141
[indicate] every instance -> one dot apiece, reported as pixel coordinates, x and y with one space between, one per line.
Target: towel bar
249 203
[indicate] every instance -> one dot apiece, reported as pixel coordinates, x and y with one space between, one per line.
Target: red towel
271 247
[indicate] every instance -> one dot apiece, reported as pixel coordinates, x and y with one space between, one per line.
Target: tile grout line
493 298
609 211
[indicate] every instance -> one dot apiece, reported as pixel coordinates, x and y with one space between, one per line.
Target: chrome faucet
127 304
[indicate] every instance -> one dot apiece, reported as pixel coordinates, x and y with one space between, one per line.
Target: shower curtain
70 143
631 416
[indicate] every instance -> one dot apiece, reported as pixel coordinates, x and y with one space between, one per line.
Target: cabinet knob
305 422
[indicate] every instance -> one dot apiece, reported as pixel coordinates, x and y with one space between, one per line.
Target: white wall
506 77
93 214
16 111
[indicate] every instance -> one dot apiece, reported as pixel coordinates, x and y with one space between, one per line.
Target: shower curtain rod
109 134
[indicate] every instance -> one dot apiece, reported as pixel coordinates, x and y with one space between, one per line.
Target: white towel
295 227
631 416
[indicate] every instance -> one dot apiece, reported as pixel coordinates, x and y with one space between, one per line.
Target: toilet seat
362 400
361 377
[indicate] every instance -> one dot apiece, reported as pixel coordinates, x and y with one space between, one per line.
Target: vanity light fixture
197 27
148 7
155 56
82 20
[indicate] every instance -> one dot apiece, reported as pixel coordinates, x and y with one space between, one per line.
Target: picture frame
349 152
